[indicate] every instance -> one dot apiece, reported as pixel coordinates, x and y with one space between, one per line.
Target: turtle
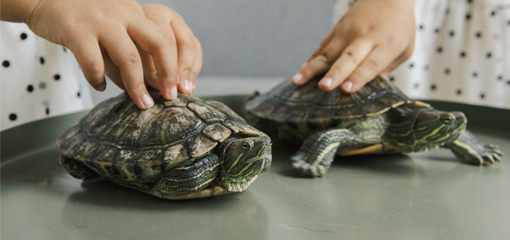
177 149
377 119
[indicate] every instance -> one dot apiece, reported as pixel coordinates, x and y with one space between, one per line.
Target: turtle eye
446 118
246 146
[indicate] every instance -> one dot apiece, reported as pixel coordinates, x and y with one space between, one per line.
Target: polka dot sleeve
462 52
39 79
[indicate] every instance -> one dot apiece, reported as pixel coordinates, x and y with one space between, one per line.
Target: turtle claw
306 169
490 155
468 149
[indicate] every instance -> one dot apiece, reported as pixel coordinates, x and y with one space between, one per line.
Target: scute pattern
289 103
129 143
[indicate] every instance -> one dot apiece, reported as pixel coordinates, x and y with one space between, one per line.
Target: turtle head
433 128
242 158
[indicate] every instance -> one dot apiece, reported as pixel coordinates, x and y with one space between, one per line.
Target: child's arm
372 38
121 38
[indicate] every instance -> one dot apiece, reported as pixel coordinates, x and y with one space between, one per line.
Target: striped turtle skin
184 148
378 119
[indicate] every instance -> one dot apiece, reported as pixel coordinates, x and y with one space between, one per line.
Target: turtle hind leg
77 169
192 176
468 149
318 151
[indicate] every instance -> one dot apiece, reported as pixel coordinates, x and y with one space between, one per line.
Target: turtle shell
308 103
122 142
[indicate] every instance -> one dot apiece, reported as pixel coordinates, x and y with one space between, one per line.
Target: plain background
249 42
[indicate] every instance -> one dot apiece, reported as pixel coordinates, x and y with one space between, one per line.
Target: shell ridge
145 126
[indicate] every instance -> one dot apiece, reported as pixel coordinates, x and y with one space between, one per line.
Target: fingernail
297 78
189 86
347 86
327 82
147 101
173 92
102 87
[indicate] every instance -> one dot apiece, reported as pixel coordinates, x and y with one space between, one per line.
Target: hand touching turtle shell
126 41
373 37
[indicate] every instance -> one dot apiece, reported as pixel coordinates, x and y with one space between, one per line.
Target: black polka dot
436 30
488 55
65 49
500 77
56 77
42 85
462 54
411 65
47 111
13 116
469 1
446 71
433 87
421 27
78 94
478 34
475 74
30 88
482 95
23 36
451 33
493 13
459 91
439 49
508 82
416 85
468 16
392 78
6 63
41 60
427 67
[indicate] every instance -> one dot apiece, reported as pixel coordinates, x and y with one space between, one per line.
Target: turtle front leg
468 149
318 151
189 179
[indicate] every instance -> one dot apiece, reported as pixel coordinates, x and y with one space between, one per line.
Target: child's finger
112 71
123 53
348 61
187 48
375 63
319 64
161 45
149 71
88 55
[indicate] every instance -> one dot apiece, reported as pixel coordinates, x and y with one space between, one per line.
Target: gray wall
255 38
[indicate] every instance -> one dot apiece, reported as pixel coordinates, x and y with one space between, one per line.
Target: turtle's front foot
306 169
489 155
468 149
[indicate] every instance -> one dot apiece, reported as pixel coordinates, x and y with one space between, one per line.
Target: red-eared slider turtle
377 119
184 148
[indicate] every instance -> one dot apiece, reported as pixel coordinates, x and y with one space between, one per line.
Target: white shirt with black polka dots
38 79
462 52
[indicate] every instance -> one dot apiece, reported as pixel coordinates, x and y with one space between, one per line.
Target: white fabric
38 79
462 52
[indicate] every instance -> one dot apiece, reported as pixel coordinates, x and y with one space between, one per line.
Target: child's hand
372 38
124 40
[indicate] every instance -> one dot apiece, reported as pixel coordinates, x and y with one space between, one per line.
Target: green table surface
416 196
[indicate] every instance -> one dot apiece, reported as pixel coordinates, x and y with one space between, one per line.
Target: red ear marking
232 146
426 116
